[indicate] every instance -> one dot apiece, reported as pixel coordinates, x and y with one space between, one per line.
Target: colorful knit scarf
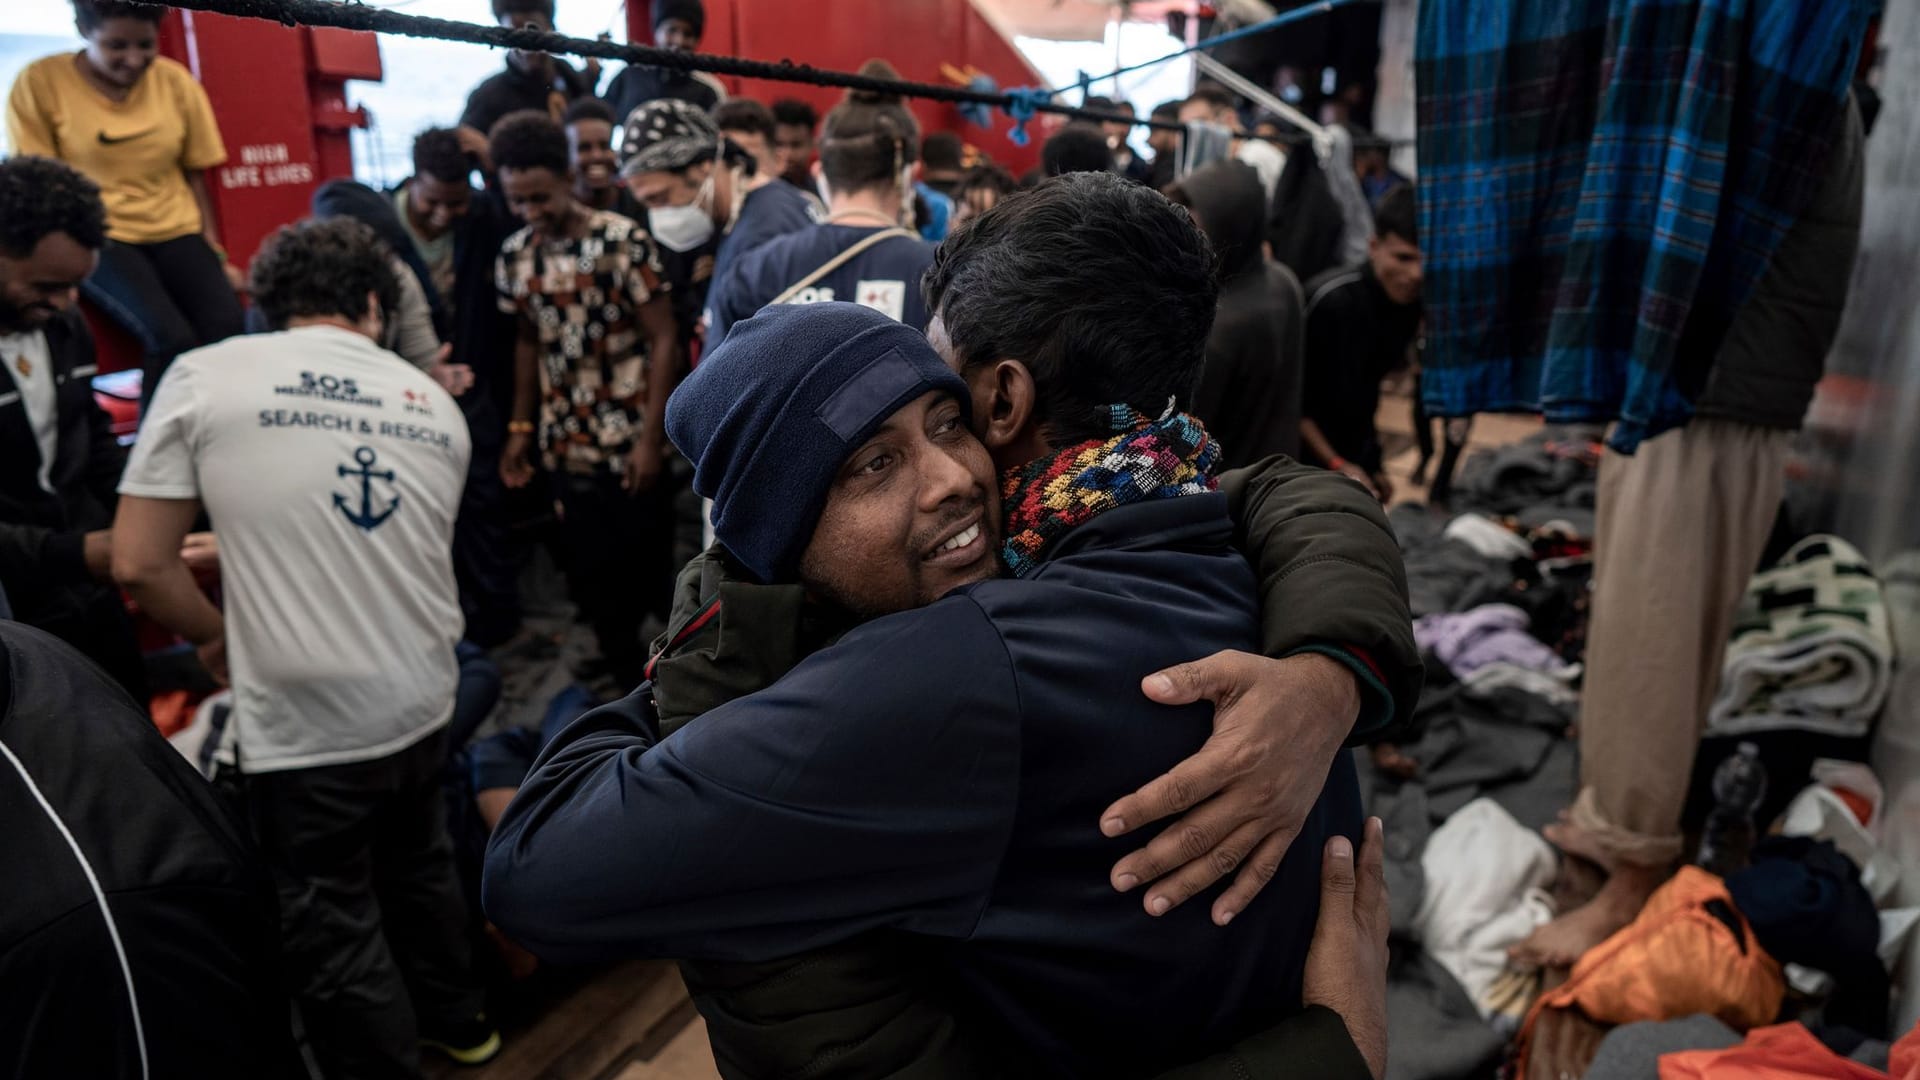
1147 459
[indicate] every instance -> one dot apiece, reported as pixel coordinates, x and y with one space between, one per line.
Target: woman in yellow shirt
138 125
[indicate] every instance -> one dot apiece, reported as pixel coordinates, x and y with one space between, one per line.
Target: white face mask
683 228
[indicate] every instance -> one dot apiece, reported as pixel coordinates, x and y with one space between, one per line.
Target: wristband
519 427
1338 464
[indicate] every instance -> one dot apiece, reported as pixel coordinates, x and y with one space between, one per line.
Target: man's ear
1011 405
373 323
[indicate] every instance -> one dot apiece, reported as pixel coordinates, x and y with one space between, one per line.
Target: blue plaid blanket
1602 182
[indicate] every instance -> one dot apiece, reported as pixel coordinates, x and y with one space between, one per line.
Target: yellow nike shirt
137 150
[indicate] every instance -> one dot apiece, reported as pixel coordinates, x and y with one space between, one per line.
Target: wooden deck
632 1022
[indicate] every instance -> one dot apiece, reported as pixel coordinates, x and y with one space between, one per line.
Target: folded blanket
1810 649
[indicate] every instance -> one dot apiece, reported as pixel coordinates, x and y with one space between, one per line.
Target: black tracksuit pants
373 923
619 563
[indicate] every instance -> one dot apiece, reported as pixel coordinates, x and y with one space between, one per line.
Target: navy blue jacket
886 276
773 210
941 771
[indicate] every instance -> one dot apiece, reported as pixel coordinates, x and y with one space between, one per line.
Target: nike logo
110 140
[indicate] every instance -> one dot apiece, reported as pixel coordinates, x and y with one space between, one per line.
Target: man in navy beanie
939 771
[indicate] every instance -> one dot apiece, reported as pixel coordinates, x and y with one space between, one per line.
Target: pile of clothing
1499 592
1793 949
1809 931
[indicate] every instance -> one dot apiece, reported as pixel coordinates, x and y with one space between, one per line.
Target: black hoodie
1248 390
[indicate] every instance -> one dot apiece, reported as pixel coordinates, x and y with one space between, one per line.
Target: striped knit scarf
1147 459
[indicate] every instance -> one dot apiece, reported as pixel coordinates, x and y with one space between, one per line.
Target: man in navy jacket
940 770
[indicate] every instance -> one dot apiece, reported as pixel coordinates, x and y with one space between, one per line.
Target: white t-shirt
30 364
332 470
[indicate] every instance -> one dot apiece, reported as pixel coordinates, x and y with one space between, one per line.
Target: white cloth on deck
1486 876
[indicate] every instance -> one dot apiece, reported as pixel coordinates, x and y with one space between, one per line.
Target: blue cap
773 412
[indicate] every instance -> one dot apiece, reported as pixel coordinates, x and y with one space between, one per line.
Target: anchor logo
366 518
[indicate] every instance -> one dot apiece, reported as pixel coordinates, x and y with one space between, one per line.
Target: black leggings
172 296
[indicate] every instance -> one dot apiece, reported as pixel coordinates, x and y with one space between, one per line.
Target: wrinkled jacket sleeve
854 794
1331 579
32 557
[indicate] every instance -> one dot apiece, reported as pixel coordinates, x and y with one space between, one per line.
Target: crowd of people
333 498
1043 580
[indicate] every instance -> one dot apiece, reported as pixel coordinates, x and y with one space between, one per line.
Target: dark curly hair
40 196
437 153
986 178
589 108
322 267
89 14
795 112
744 114
528 139
1100 286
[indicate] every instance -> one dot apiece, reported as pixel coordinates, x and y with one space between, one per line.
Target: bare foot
1388 759
1562 942
1577 841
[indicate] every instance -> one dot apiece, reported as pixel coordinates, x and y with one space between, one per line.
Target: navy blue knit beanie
773 412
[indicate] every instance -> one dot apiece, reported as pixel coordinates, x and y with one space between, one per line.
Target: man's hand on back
1347 963
1277 726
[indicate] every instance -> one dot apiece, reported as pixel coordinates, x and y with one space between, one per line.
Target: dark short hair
504 8
89 14
39 197
942 150
744 114
437 153
869 136
322 267
528 139
1166 110
1078 147
986 178
1398 215
691 12
1099 285
795 112
588 108
1216 96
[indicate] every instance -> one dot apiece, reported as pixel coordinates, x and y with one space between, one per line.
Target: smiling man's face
913 514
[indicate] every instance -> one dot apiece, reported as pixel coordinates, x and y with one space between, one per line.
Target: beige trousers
1680 527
